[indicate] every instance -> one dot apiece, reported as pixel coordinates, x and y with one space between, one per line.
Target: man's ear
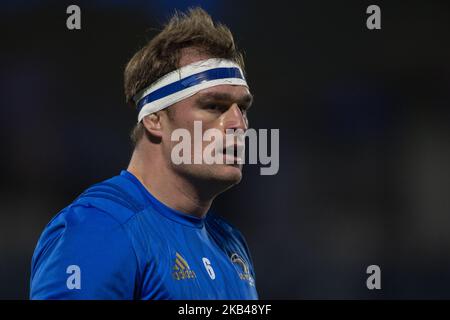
152 124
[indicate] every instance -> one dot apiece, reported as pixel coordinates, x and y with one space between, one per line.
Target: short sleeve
84 254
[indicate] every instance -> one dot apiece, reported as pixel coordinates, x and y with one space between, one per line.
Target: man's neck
168 187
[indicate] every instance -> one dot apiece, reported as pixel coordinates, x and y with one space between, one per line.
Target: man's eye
214 107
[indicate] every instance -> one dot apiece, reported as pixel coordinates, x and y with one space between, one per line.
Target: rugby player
150 232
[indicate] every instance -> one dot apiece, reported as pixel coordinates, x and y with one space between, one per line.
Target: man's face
222 107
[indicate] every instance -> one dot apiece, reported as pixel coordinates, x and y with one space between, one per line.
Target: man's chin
226 175
230 172
218 176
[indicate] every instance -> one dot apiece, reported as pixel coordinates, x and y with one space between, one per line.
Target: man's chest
194 267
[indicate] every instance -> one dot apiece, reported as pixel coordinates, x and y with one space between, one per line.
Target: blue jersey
117 241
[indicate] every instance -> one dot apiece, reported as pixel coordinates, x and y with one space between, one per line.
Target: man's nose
235 119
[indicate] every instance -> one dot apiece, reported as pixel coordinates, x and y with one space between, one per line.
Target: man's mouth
233 154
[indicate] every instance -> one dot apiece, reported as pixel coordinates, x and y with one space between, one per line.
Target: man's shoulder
90 235
99 212
103 206
114 197
100 208
216 220
224 228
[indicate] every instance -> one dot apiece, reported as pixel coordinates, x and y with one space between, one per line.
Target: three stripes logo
181 269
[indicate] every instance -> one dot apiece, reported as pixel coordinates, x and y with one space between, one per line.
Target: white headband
185 82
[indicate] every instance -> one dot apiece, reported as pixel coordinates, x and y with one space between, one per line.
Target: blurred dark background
364 135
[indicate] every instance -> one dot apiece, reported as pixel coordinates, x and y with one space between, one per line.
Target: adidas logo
181 269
